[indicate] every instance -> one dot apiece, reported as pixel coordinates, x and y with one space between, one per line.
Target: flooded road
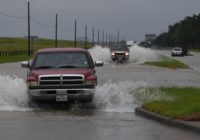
110 116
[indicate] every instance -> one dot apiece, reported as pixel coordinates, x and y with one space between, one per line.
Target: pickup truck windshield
119 48
61 60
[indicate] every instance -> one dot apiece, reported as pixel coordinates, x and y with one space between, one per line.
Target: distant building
150 37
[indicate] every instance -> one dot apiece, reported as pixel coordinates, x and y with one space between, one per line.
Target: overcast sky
133 18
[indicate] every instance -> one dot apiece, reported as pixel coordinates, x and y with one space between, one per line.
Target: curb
175 123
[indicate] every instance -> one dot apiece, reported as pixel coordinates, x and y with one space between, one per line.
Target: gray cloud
133 18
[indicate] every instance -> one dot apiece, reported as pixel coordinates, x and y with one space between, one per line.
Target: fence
14 53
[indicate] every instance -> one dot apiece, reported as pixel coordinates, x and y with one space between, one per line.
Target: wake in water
118 97
13 94
138 54
110 97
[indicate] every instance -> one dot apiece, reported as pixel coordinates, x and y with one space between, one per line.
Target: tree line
185 34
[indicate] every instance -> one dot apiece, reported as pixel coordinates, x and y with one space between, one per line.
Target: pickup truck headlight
112 53
91 82
32 83
126 53
32 80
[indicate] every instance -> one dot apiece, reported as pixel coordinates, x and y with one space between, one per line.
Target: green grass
184 102
168 63
195 50
9 59
10 44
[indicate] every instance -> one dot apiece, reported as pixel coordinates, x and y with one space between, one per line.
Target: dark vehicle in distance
119 52
62 74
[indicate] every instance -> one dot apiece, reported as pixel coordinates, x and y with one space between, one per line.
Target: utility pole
98 37
118 37
56 32
75 26
93 36
85 36
106 39
29 32
103 38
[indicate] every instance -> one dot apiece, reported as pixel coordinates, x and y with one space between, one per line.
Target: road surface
109 118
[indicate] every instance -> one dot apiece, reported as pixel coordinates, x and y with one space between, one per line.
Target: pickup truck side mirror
25 64
98 63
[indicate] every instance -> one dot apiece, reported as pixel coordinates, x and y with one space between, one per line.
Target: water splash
13 94
110 97
138 54
123 96
100 53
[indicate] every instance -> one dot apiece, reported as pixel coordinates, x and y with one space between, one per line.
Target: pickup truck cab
119 52
62 74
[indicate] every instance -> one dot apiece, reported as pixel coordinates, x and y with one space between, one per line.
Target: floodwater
117 83
111 114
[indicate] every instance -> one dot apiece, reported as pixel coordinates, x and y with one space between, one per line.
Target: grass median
168 63
180 103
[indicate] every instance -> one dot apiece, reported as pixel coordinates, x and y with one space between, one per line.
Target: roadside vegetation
195 50
185 34
8 44
11 44
168 63
10 59
182 103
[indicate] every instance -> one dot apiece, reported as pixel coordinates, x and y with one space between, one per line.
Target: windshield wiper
66 66
43 67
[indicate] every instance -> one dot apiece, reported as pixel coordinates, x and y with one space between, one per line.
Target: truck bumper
51 94
125 57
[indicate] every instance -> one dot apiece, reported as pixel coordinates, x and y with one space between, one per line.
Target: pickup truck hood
85 72
119 51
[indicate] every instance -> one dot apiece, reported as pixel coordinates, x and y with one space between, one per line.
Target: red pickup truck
62 74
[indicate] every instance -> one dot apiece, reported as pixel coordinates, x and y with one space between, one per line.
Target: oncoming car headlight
112 53
126 53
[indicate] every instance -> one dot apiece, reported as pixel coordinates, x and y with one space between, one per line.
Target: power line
49 26
42 24
37 22
12 16
34 20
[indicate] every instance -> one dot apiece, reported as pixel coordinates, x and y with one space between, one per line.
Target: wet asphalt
86 121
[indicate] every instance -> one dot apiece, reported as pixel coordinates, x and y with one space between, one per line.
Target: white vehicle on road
177 51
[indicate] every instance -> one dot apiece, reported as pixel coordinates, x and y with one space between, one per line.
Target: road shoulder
187 125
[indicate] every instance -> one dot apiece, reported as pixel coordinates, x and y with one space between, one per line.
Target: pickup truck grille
61 80
120 54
